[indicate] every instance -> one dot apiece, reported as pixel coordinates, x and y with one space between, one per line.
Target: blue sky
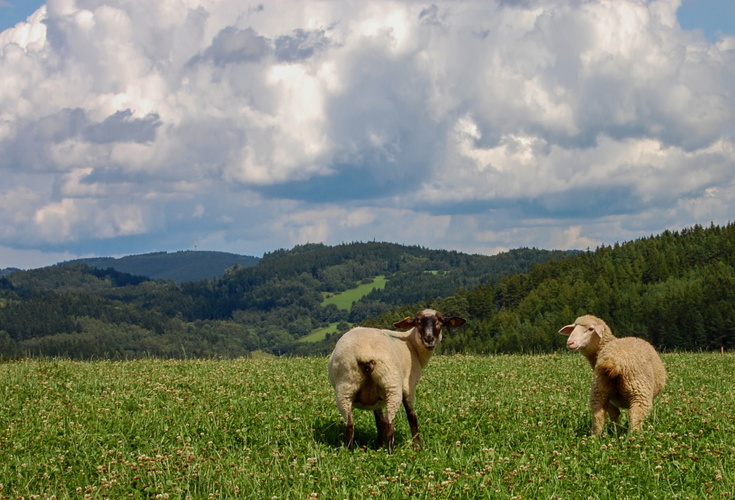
478 126
713 17
13 12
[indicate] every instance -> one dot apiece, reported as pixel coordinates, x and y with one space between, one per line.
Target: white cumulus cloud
249 126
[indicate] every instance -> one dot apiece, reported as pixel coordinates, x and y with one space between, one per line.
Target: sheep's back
634 359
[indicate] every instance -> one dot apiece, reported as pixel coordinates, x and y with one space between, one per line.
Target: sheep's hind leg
598 420
614 414
381 424
344 405
392 403
390 432
349 432
637 414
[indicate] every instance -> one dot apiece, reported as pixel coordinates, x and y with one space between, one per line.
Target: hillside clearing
320 333
344 300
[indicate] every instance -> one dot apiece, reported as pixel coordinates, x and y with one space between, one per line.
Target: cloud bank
131 126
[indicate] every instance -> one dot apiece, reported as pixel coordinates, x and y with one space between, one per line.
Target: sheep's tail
367 367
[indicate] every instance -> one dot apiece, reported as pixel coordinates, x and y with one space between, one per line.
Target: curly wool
628 372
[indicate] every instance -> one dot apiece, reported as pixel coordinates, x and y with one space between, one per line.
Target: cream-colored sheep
628 372
372 369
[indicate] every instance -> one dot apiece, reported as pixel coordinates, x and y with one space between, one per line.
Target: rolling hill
180 266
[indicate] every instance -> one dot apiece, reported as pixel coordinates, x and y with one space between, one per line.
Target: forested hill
178 266
78 311
676 290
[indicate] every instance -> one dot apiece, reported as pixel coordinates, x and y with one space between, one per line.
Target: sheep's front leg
413 421
599 402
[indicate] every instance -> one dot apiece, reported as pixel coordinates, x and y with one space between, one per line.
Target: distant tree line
675 289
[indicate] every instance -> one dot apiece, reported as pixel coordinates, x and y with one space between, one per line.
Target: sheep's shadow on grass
330 432
611 431
583 428
573 424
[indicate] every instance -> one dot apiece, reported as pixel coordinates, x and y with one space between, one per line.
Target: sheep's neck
592 350
591 357
424 356
422 353
414 345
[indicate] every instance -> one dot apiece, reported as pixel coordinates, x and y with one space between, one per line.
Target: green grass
345 299
493 427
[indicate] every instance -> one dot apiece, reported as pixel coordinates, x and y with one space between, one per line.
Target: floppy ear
455 321
567 329
598 330
406 323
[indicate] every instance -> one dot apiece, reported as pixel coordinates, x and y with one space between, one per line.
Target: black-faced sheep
628 372
373 369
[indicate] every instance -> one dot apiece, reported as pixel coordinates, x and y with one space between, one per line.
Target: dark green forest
674 289
78 311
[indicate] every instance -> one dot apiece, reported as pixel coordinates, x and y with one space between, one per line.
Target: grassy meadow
492 426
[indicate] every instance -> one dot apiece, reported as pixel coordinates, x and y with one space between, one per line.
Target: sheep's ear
598 330
455 321
566 330
406 323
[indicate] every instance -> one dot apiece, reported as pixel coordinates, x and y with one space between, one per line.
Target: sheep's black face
430 330
428 324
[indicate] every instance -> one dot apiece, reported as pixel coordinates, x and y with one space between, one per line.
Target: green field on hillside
320 333
344 300
492 427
